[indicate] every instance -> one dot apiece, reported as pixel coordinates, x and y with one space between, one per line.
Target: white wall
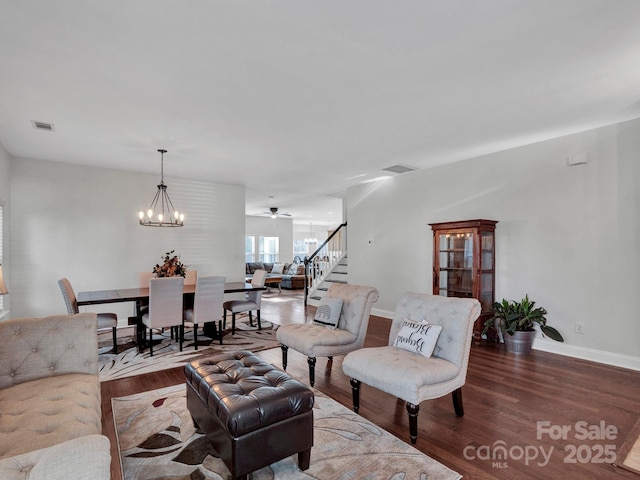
273 227
5 200
81 223
567 236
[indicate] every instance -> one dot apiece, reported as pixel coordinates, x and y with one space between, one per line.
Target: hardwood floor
504 399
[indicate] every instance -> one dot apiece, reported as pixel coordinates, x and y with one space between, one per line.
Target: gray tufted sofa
50 411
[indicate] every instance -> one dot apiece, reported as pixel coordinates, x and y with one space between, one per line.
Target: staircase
328 264
339 274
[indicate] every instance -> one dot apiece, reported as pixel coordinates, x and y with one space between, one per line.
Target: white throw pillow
328 312
417 337
293 269
277 268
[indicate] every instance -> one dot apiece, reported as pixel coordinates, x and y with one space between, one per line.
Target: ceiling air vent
399 169
47 127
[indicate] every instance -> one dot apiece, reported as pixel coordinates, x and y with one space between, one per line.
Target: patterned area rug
629 454
166 354
157 440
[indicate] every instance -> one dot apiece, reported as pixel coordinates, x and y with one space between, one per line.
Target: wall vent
399 169
47 127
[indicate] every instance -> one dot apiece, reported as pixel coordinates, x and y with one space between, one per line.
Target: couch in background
292 273
51 421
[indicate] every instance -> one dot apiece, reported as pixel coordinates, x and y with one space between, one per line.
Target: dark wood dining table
140 296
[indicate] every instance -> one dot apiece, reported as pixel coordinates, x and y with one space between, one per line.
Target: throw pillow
277 268
293 269
417 337
328 312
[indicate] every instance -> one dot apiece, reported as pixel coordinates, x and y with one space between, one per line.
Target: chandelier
310 238
161 212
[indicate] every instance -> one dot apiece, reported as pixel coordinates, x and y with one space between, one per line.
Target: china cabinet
464 263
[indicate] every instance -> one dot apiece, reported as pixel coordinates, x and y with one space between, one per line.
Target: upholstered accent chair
315 340
411 376
105 320
165 307
207 306
251 302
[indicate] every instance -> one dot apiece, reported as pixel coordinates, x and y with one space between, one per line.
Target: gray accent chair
411 376
315 340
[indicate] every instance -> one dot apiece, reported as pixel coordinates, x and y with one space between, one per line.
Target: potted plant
171 266
516 321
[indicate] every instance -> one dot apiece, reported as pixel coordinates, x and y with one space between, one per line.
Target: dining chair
251 302
143 279
427 355
165 307
105 320
191 278
207 306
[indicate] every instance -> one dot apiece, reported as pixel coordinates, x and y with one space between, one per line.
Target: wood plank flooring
504 399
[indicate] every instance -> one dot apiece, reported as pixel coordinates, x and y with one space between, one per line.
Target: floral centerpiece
171 266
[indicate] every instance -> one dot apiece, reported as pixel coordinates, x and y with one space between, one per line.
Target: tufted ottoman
252 413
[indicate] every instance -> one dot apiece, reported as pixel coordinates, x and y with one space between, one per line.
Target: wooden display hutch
464 263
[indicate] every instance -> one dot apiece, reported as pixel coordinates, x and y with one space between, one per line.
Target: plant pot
519 342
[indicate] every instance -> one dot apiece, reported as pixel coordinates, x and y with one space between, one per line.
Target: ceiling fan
273 213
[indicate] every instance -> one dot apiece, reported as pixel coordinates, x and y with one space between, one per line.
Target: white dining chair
207 306
143 279
105 320
165 307
191 278
250 303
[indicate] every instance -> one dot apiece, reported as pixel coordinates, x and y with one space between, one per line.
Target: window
249 248
300 248
268 249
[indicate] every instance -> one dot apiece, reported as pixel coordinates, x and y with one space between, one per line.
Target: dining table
140 296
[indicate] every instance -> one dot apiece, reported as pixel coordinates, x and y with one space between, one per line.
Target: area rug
157 440
629 454
166 353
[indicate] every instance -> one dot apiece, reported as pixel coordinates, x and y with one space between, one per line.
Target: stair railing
320 263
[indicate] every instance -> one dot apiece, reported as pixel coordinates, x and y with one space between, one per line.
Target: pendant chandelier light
161 212
310 238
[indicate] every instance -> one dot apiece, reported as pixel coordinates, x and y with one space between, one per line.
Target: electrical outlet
580 327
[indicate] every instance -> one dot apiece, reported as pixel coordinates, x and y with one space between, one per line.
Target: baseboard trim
585 353
574 351
382 313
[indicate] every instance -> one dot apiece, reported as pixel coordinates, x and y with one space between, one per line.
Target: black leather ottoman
253 413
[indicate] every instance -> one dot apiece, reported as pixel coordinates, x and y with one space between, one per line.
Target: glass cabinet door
487 280
464 263
456 265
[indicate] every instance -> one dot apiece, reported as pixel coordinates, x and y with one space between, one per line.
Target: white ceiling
298 99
